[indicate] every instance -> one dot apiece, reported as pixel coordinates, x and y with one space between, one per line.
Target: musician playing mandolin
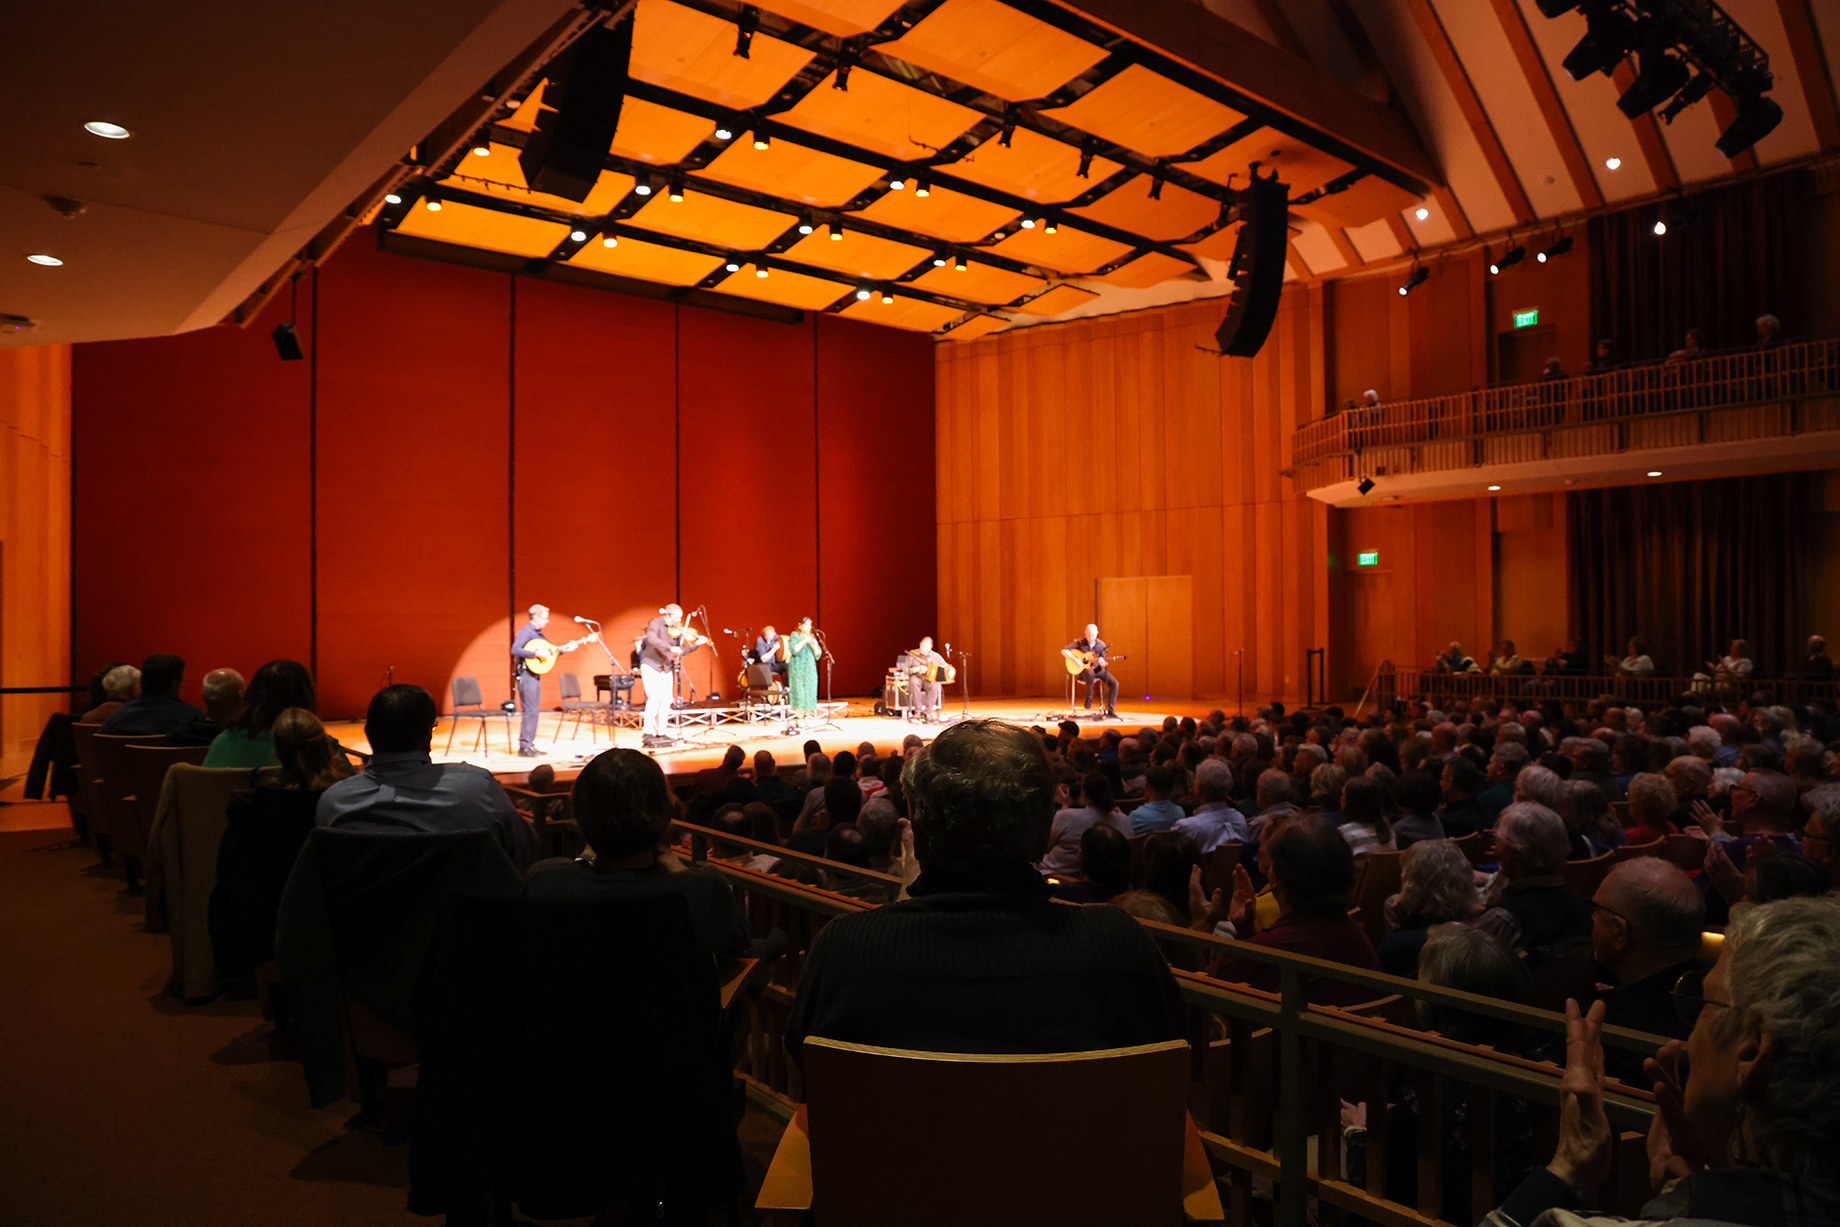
529 646
926 680
1093 652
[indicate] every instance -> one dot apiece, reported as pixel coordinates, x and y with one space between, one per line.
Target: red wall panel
191 522
414 478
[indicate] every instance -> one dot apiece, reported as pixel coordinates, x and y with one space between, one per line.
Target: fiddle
688 637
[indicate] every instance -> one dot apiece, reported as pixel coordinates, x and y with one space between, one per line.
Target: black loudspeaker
587 84
287 344
1258 267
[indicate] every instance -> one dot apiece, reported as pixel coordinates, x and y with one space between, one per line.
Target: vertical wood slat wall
1116 447
34 542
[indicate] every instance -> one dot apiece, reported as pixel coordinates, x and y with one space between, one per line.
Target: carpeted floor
119 1105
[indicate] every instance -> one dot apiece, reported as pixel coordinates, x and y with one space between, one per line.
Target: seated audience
1763 809
838 802
1646 921
1590 823
113 685
1818 836
625 807
846 845
980 959
1691 777
1462 813
157 710
881 828
1312 873
1507 660
1326 784
248 738
1215 821
223 702
1169 862
1692 349
1157 812
1105 867
1635 661
768 786
1504 771
1531 909
402 789
1454 661
1417 796
1785 876
1652 807
1819 667
1363 813
1437 886
1063 854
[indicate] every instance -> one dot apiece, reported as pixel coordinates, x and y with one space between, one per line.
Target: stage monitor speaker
587 85
1258 267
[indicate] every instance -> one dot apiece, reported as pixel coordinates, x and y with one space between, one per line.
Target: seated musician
1093 652
767 651
926 675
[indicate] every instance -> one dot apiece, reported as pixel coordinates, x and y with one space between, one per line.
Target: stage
704 745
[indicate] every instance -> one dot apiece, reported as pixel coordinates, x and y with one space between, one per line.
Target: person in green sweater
249 740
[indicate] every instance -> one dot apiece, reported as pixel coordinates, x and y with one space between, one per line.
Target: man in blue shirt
530 685
766 651
1216 821
158 709
1158 812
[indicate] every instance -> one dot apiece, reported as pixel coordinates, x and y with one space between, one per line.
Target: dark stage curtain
1690 566
1730 255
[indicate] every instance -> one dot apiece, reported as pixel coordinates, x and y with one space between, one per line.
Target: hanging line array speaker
1258 266
587 83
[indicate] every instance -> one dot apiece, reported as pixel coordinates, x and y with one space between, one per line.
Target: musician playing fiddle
1093 652
928 668
662 647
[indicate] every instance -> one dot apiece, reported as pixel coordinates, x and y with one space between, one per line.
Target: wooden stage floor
704 747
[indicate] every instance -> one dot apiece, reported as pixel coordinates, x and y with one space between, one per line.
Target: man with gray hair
1726 726
1274 800
223 702
1763 809
1531 908
658 657
1646 922
1703 743
1823 826
1215 821
1591 763
1541 785
1505 766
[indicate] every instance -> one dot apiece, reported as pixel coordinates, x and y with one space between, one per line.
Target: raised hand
1708 819
1582 1159
1723 874
1674 1147
1204 910
1243 911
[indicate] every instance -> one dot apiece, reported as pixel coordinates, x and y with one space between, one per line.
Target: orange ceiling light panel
942 214
908 313
646 261
1151 268
1032 165
1068 250
842 17
709 219
979 283
499 174
1060 298
1302 167
791 172
788 289
470 226
1218 245
858 254
980 326
885 116
1177 214
1142 110
693 53
651 133
995 48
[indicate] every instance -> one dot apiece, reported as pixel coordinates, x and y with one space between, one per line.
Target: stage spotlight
1604 45
643 185
762 140
1662 76
805 224
392 198
286 343
961 265
745 24
1086 157
1514 255
1559 248
732 267
578 236
836 230
922 187
1757 118
939 261
434 206
1660 228
1049 225
1416 278
1696 89
895 185
610 241
887 295
723 133
1028 222
760 268
1366 485
482 151
675 188
1009 127
1423 213
862 296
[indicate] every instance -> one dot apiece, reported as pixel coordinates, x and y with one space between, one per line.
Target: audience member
768 786
1462 813
1363 814
1531 908
1169 864
248 738
1635 661
1105 867
402 789
1215 821
222 690
1063 854
1645 932
1652 807
1763 807
1785 876
158 710
1417 796
118 684
881 828
1505 767
1819 667
1157 812
1437 886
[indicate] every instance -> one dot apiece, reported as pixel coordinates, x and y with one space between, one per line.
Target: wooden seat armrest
1200 1195
735 981
787 1185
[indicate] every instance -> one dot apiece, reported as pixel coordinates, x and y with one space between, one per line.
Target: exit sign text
1368 558
1526 319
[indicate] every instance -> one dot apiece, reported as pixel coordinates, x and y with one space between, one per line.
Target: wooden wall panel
34 542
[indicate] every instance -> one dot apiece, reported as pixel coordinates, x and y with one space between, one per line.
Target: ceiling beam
1283 34
1648 135
1469 103
1364 50
1453 212
1186 34
1812 67
1558 122
1402 233
1339 236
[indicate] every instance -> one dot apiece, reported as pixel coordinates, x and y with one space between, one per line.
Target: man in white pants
658 654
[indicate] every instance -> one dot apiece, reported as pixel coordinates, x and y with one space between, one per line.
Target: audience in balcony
1769 333
1508 661
1553 371
1819 667
1454 661
1603 356
1635 661
1566 661
1733 669
157 710
1693 348
1437 886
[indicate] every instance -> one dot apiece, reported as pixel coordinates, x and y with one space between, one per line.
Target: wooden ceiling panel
847 18
1068 250
1149 113
468 226
858 254
942 214
1032 165
1367 200
1151 268
1176 215
785 288
875 113
979 283
1218 245
1303 168
1060 298
1319 249
995 48
693 53
712 220
1375 241
979 326
792 172
651 133
647 261
909 313
498 174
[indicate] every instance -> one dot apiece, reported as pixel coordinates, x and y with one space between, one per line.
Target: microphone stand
613 671
964 665
824 650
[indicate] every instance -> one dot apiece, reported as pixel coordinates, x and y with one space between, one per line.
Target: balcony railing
1720 398
1575 690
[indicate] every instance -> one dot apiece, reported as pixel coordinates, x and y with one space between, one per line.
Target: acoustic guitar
548 653
1079 662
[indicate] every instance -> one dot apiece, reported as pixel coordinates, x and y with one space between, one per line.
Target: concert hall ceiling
1076 154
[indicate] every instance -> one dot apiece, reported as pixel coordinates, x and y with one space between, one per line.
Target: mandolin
1079 662
547 653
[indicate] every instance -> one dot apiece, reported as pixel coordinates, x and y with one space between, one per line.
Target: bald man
1646 922
1099 674
223 702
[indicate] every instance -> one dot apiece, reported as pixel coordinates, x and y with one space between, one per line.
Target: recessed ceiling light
1423 213
723 134
482 151
392 198
862 296
895 185
102 127
434 206
732 267
887 297
1494 487
1654 472
578 236
1612 163
760 270
48 261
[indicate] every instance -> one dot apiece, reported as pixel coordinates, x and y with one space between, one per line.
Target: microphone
581 619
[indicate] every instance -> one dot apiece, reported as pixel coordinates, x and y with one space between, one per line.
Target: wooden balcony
1745 412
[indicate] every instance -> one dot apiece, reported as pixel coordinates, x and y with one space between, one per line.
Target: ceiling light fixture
1365 485
1156 183
1009 127
760 268
1050 225
676 188
610 241
1086 157
482 151
1494 487
732 267
102 127
1654 472
643 185
1417 277
1423 213
922 187
887 295
48 261
434 206
1514 255
895 185
1613 163
392 198
1662 75
724 134
1560 246
862 295
805 224
762 140
1660 228
939 261
1028 222
836 230
745 25
961 264
578 236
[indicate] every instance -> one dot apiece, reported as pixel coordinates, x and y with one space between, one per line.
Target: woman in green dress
802 667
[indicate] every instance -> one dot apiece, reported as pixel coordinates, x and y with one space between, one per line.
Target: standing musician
1096 673
925 681
529 684
769 651
659 653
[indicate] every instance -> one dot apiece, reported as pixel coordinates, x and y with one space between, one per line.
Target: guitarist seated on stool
1093 651
529 683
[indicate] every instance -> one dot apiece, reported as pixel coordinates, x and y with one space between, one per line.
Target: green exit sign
1526 319
1368 558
